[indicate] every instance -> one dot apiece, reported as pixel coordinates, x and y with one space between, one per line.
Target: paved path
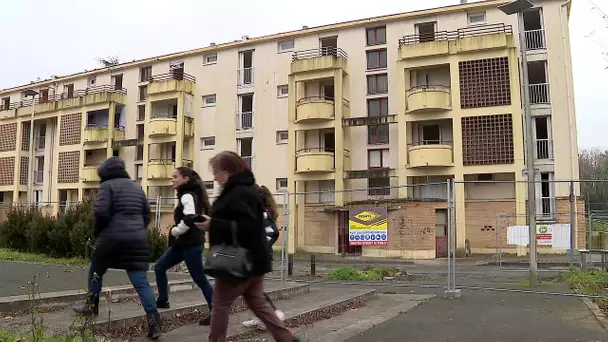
492 316
14 277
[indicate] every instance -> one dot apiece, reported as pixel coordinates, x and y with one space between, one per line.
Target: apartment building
382 110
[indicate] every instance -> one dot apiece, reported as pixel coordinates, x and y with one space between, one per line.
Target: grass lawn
11 255
372 273
593 282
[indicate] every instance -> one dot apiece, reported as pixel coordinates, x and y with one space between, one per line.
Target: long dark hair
195 182
268 200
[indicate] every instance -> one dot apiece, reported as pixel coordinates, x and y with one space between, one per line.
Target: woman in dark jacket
121 216
186 242
239 205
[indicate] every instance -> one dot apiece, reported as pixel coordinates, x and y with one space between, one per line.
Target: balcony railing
539 93
546 212
320 52
431 142
38 176
163 116
244 121
544 149
467 32
535 40
66 95
175 75
244 77
248 160
40 142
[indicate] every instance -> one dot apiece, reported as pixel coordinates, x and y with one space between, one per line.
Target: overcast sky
41 38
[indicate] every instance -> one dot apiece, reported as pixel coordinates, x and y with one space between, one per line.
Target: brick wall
8 137
320 226
7 170
411 225
480 220
562 208
23 171
69 167
70 129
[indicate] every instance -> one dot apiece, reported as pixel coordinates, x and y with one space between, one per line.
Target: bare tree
108 61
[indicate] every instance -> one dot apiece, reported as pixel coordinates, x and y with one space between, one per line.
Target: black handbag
229 262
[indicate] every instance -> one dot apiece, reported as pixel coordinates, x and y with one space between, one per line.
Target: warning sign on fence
368 226
544 235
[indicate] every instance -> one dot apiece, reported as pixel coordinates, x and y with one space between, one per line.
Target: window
379 186
282 137
281 183
140 131
377 84
139 171
431 134
287 45
477 18
145 74
6 103
426 31
376 59
377 107
376 35
378 159
209 185
377 134
209 100
68 89
143 93
207 143
140 152
91 81
141 112
210 59
282 91
117 81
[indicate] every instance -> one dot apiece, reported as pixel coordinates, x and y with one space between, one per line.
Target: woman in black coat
239 206
121 216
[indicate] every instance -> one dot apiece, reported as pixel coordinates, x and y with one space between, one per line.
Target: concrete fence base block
452 294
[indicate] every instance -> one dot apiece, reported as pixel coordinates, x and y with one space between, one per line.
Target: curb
298 318
140 319
63 298
597 312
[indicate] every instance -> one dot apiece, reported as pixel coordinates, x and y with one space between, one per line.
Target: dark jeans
138 278
253 292
193 256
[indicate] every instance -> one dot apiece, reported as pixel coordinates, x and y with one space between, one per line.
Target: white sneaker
259 324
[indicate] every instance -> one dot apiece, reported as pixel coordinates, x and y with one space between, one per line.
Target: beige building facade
376 112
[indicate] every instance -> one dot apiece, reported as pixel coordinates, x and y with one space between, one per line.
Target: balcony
171 82
244 121
539 93
314 108
89 174
38 177
315 160
535 40
188 126
474 38
163 125
119 133
428 98
95 133
325 58
430 154
160 168
80 98
544 149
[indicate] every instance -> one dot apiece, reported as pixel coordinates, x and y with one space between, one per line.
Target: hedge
67 235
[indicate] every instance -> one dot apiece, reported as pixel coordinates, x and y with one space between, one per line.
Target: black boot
90 307
205 320
163 304
154 330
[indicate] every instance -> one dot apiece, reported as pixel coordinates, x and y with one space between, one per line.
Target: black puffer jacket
121 216
240 203
190 205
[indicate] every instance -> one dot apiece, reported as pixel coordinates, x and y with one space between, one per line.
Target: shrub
70 234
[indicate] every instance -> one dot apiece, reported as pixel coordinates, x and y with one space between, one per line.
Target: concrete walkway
14 277
492 316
